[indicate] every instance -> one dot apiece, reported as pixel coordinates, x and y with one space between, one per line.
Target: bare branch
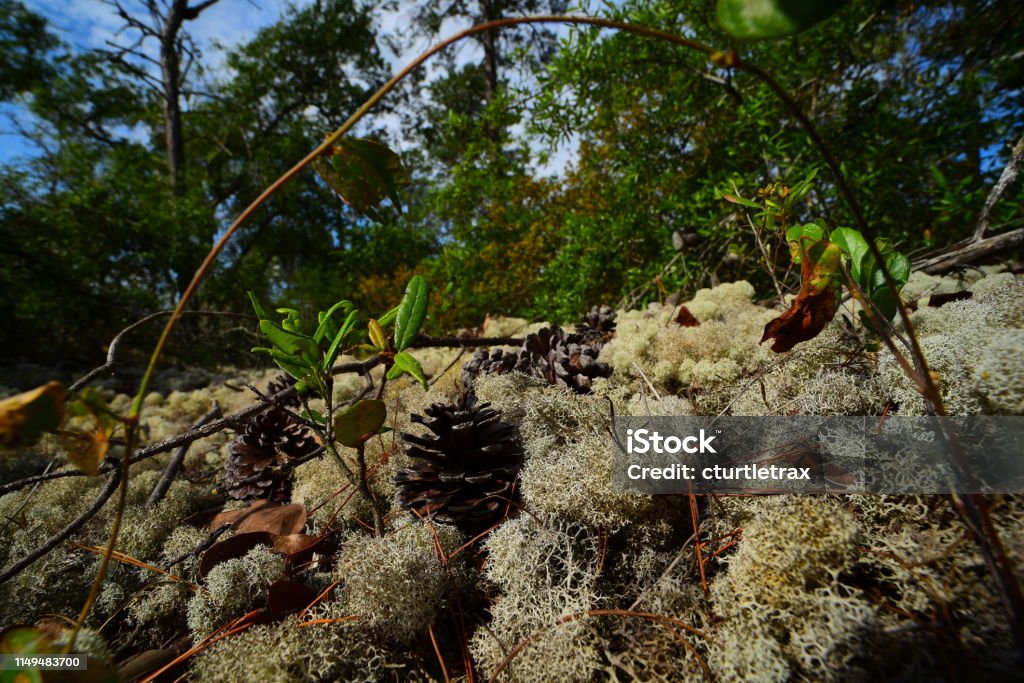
115 343
1006 178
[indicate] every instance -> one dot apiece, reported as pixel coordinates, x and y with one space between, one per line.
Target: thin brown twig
115 344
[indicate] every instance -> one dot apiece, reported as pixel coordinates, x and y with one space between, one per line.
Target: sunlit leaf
388 317
340 340
25 417
261 312
800 236
328 329
406 364
290 342
754 19
411 312
86 454
741 201
357 424
292 320
377 335
852 242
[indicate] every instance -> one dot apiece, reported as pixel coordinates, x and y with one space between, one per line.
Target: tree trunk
170 72
491 59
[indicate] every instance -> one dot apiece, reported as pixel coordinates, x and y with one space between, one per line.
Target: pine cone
560 359
280 383
564 360
597 326
466 467
269 440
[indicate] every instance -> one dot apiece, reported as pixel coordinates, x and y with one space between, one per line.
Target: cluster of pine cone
467 463
559 358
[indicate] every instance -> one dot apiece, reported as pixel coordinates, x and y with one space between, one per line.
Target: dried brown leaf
685 319
233 548
287 596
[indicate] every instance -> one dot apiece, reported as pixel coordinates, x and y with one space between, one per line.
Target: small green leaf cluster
863 266
307 357
867 272
778 201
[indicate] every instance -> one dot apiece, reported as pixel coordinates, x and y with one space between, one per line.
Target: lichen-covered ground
582 584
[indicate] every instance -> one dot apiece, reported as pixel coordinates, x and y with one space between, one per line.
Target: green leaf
388 317
357 424
258 307
756 19
799 236
25 417
315 416
899 268
327 328
290 342
297 367
406 364
364 172
411 312
292 320
339 340
734 199
886 304
853 245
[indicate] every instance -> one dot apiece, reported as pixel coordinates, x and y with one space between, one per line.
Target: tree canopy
549 173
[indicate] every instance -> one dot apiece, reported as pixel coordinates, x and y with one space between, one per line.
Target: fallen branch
970 251
425 342
1006 178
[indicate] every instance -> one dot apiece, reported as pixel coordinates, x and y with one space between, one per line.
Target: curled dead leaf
262 515
816 303
24 418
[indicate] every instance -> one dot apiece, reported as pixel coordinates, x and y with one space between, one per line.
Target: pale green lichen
784 584
957 341
400 583
546 573
233 588
999 373
288 653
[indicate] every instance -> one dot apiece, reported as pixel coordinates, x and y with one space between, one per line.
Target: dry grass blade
437 651
128 559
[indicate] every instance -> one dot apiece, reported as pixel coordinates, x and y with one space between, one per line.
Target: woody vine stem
731 59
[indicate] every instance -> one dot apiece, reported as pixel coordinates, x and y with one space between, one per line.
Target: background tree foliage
920 101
